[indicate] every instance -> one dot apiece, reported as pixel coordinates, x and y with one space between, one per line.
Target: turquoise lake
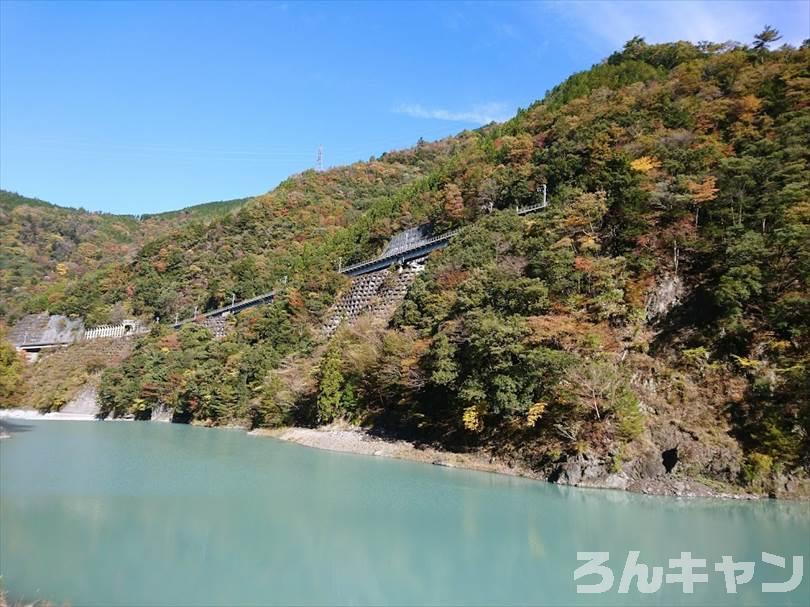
117 513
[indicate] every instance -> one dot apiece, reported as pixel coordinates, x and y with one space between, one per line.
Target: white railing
115 331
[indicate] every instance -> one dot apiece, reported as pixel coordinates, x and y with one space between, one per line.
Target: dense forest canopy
44 247
662 300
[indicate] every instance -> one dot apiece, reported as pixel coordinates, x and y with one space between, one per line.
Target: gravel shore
345 438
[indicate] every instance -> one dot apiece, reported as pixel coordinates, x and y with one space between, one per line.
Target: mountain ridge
42 242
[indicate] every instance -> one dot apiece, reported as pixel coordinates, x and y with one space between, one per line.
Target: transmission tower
319 159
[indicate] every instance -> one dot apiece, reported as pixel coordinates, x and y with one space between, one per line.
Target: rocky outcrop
647 475
693 452
162 414
651 474
585 470
665 295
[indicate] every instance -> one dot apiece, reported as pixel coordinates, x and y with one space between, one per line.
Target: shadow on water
11 427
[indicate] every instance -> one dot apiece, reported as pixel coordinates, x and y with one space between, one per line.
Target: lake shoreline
33 414
345 438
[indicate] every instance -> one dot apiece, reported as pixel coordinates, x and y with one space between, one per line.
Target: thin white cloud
482 113
616 22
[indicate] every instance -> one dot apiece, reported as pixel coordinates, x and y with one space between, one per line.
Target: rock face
691 452
84 403
161 414
651 474
588 471
666 294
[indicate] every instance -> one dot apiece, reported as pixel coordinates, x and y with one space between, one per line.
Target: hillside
44 246
277 234
654 320
205 210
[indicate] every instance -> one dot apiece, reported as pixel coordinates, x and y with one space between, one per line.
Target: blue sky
149 106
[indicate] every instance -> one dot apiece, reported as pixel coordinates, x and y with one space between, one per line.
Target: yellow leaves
747 108
645 164
472 418
535 412
589 244
781 346
89 251
62 268
697 358
747 363
799 213
585 213
703 191
563 243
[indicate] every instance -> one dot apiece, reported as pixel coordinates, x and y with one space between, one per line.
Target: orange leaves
159 265
170 342
295 299
585 213
517 148
451 279
453 202
584 264
747 108
571 333
704 191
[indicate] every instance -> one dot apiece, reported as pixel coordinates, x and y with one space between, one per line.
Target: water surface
114 513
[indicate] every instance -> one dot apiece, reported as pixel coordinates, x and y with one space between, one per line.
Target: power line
319 159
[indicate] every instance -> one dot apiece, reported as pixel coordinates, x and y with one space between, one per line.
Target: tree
330 386
602 386
11 367
453 202
487 195
766 37
702 192
441 363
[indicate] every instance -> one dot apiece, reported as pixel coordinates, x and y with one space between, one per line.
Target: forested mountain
660 305
282 233
44 246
